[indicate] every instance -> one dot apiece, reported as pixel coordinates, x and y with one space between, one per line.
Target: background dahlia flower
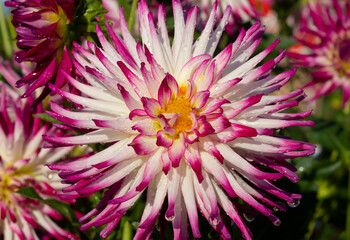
325 36
193 129
42 28
242 11
22 164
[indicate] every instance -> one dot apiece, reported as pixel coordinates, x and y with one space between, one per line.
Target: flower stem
348 209
347 121
6 41
132 14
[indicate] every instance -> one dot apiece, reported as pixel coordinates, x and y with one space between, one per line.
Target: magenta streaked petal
174 177
164 139
199 99
152 84
155 197
164 93
166 162
120 124
213 105
208 78
204 128
232 211
221 89
187 70
219 124
187 190
129 100
143 145
221 60
213 167
151 106
238 107
177 150
194 160
137 113
137 84
147 126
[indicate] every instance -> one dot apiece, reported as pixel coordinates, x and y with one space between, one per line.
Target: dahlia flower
326 37
42 32
22 160
194 130
242 11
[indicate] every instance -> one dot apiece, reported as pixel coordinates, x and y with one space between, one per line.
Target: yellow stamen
181 106
4 188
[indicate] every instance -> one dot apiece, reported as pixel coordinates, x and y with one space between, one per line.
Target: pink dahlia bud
42 33
324 36
193 129
22 165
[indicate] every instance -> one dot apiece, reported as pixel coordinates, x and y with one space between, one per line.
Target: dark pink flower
42 28
324 36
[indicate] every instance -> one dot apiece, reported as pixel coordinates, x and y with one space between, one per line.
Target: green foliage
46 118
86 16
61 207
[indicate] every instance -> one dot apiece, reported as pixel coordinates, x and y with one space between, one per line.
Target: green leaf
327 170
47 118
87 15
127 231
63 208
30 192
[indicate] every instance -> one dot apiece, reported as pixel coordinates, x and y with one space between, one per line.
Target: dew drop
214 221
248 218
276 209
50 176
277 222
170 218
294 178
294 204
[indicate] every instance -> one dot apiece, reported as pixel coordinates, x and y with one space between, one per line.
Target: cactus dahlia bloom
22 160
42 32
327 37
192 129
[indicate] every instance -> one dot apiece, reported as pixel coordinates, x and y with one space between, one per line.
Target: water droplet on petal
294 204
276 209
214 221
277 222
248 218
295 179
170 218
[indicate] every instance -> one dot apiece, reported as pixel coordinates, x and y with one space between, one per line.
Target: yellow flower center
181 106
4 188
